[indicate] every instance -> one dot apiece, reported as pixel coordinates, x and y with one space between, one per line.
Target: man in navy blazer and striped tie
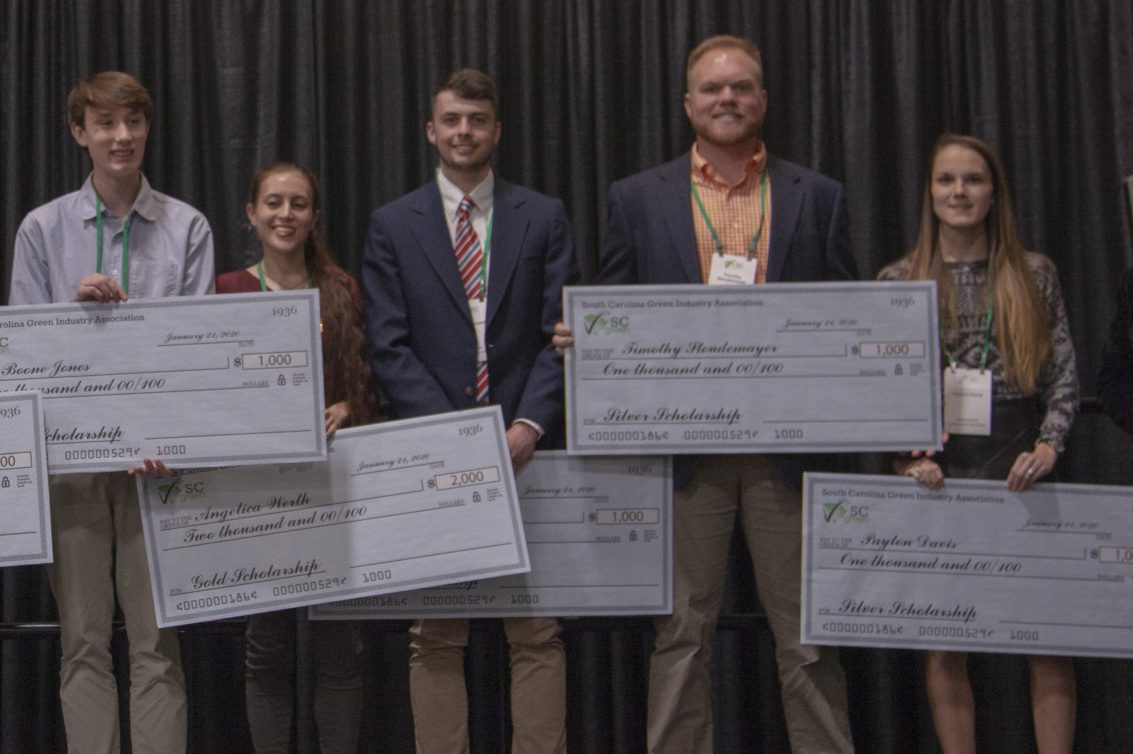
463 280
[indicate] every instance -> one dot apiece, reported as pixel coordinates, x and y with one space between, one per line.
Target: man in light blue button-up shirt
112 239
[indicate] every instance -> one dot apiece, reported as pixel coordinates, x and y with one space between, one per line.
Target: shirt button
469 392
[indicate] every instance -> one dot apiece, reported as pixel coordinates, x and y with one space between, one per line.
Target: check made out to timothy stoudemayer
599 534
784 367
25 514
396 506
970 567
195 380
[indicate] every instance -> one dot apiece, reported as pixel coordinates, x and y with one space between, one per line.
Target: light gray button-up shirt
170 250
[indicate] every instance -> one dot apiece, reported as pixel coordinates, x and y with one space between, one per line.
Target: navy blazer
650 236
422 342
650 239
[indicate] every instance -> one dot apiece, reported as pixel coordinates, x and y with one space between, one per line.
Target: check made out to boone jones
396 506
25 514
970 567
599 534
194 380
783 367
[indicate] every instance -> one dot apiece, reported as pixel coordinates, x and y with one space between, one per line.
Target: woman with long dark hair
283 209
1005 339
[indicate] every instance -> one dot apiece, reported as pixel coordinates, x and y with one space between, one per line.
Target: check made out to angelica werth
599 534
396 506
784 367
195 380
970 567
25 514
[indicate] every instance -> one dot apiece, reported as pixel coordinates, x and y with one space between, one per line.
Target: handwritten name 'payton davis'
966 613
696 348
896 541
673 416
58 369
255 574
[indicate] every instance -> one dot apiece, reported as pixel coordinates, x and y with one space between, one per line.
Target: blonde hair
721 41
1022 331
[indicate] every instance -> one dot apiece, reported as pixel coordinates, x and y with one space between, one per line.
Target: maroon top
242 281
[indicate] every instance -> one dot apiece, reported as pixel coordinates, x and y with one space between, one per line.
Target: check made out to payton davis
784 367
599 533
970 567
194 380
25 514
396 506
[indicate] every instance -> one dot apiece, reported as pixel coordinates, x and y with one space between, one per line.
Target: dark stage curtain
591 91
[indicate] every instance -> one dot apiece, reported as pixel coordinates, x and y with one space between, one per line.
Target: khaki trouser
680 685
99 550
440 700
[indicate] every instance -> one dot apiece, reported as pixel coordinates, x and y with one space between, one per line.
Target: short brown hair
109 88
468 83
720 41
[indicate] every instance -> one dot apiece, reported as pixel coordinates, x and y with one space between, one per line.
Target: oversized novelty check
396 506
973 566
789 367
25 514
196 380
599 532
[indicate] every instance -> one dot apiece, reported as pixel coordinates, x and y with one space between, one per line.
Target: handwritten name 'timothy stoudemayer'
697 348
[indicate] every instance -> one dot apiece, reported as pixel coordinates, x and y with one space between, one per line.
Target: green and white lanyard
986 346
125 244
751 248
263 280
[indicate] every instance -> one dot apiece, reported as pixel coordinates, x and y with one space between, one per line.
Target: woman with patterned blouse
1006 343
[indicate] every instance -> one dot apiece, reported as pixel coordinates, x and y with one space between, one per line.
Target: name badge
967 401
729 269
479 309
